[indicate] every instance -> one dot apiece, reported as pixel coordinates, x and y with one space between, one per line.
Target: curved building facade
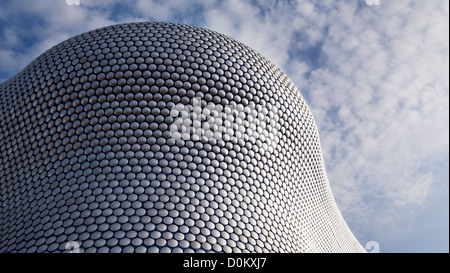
160 137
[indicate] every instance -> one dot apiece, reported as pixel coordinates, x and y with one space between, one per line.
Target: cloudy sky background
375 77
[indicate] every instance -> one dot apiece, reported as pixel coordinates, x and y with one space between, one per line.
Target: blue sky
375 78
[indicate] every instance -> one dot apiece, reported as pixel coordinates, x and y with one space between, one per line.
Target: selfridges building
160 137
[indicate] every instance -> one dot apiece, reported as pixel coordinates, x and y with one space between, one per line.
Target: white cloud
388 75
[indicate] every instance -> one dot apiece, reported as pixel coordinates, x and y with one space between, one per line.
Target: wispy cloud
381 103
375 77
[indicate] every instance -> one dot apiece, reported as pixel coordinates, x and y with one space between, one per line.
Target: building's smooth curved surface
104 148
